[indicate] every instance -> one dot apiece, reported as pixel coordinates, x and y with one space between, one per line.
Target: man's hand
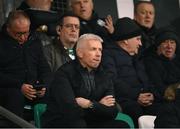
108 100
41 93
82 102
28 91
145 99
109 24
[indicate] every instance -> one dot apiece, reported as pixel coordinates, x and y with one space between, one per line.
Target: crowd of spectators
84 66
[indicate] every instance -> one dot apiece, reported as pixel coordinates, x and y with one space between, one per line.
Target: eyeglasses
20 34
71 26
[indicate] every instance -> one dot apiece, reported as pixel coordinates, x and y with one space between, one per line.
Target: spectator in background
81 95
144 15
22 64
163 68
90 21
61 50
132 89
36 4
38 11
60 5
163 65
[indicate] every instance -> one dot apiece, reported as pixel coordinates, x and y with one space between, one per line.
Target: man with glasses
22 65
61 50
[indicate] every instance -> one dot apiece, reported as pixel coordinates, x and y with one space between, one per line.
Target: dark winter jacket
22 63
127 72
56 55
68 83
94 26
162 72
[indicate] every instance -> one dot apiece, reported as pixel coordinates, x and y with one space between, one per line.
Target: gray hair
85 37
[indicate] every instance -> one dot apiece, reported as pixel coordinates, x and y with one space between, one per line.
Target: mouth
83 11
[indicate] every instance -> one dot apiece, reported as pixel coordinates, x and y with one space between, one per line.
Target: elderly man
61 50
132 89
163 68
90 21
22 64
144 15
81 95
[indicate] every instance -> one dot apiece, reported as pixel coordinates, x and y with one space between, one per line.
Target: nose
73 28
81 4
98 53
23 38
140 43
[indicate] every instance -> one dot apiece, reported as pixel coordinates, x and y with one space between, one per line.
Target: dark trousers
72 122
168 116
13 100
135 110
108 124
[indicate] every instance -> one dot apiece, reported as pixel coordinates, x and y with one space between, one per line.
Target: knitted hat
166 34
126 28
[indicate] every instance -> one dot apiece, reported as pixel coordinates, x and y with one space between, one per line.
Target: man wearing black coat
81 95
90 22
144 15
163 68
22 64
132 88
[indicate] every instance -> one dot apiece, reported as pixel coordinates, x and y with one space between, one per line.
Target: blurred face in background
69 30
145 15
167 48
82 8
40 4
19 30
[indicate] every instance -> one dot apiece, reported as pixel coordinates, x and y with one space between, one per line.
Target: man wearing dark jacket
61 50
132 88
163 68
90 21
81 95
22 64
144 15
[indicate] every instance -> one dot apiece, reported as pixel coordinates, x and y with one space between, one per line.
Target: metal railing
15 119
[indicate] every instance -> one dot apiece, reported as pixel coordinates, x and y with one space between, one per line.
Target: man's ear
79 53
125 41
58 29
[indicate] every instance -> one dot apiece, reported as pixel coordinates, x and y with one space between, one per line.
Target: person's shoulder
68 67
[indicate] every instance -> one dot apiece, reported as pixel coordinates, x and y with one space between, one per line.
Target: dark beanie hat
166 34
125 28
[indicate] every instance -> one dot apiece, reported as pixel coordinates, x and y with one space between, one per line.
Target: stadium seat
146 121
126 118
39 109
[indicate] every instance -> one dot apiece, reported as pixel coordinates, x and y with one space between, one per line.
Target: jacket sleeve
44 72
155 73
121 88
7 81
48 52
103 110
61 91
